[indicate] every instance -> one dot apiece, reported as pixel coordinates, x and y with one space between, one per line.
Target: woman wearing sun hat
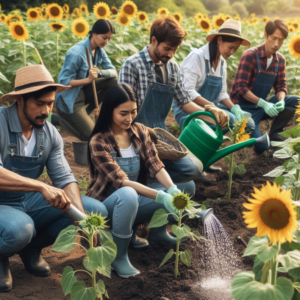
205 76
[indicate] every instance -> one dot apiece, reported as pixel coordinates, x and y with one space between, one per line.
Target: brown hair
167 30
271 26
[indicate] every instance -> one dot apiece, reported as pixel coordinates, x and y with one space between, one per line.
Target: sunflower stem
177 247
230 177
24 54
274 266
56 65
297 178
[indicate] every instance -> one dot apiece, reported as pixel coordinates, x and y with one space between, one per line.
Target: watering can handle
219 131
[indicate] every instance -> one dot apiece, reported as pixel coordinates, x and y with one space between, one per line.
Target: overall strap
206 65
222 65
38 151
150 75
13 144
137 151
258 61
277 65
173 74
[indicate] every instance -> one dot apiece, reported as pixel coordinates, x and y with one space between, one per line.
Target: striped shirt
134 72
106 170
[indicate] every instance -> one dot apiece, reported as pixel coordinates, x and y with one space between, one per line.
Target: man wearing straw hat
261 69
204 73
32 212
156 80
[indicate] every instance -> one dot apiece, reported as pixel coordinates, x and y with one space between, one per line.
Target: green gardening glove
239 113
173 190
280 105
166 200
269 108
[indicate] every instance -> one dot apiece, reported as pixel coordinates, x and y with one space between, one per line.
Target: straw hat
230 28
31 79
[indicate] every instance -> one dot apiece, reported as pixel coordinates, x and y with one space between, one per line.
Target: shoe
55 119
137 242
161 234
5 275
122 264
203 177
34 262
277 137
213 169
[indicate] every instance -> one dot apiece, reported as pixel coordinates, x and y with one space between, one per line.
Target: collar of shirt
261 50
205 50
148 57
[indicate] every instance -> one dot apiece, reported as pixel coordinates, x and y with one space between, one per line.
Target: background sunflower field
54 28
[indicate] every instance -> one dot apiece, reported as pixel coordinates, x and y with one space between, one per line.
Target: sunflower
43 5
66 16
243 138
56 26
237 17
13 18
178 17
265 19
18 31
54 11
294 46
101 10
114 10
129 8
227 17
291 28
142 16
76 13
163 12
296 25
272 212
253 21
218 21
252 15
84 9
123 19
3 18
80 27
94 221
181 201
66 8
205 25
33 14
198 16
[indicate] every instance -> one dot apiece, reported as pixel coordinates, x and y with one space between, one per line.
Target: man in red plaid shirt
260 69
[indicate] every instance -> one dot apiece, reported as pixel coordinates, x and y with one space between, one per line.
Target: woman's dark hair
114 97
271 26
102 26
213 45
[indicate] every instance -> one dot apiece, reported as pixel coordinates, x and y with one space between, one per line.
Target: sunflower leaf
286 152
167 257
276 172
159 218
290 260
186 257
181 232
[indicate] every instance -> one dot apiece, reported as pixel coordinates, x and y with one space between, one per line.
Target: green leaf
244 287
100 287
181 232
261 247
81 292
106 271
290 260
295 273
105 235
65 240
197 235
296 286
167 257
276 172
186 257
226 159
279 180
159 218
293 132
286 152
67 280
101 256
2 77
239 169
257 268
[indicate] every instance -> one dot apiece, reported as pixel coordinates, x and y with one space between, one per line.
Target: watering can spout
232 148
204 213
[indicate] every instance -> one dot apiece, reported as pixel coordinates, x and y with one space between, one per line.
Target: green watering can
204 142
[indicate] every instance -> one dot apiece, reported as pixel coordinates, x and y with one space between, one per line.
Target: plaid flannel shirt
247 70
106 170
134 72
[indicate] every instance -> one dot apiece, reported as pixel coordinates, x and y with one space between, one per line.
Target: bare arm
201 101
73 193
227 102
281 95
251 97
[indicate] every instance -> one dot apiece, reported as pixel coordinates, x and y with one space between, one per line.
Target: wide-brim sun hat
230 28
31 79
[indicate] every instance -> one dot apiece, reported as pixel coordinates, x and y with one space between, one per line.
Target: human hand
280 105
239 113
56 197
173 190
93 73
221 116
269 108
166 200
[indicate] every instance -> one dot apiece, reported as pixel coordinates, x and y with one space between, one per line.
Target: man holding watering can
156 80
32 213
260 69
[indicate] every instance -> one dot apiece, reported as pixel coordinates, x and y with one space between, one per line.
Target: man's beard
159 57
38 126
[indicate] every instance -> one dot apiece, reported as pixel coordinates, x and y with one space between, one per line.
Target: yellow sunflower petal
18 31
294 46
163 12
129 8
80 27
101 10
54 11
123 19
142 16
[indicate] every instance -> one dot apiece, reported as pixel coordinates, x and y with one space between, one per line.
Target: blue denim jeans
20 219
127 209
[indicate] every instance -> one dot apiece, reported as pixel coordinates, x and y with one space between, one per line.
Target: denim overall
157 103
210 89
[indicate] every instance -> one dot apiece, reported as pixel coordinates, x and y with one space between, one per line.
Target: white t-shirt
29 145
269 61
129 152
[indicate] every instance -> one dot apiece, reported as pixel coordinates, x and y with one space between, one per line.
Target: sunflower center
142 17
101 11
124 20
54 11
114 11
274 214
128 9
57 26
177 18
297 47
19 30
33 14
219 22
204 24
80 27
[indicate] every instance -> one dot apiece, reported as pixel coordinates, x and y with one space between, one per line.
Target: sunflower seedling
184 207
97 260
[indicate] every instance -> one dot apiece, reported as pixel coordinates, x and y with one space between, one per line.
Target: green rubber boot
121 264
5 275
136 241
161 234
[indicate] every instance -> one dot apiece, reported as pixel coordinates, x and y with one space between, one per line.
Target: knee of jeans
16 236
189 188
129 197
93 205
251 124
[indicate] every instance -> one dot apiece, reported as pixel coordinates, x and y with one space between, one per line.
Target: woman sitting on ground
121 153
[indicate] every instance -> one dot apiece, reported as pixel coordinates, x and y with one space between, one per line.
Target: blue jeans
127 209
258 114
20 219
